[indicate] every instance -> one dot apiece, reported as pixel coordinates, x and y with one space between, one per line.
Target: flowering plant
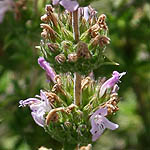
75 108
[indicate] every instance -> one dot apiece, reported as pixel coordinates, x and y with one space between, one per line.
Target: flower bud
65 45
44 35
60 58
68 124
44 18
58 80
82 50
101 22
72 57
104 41
53 47
101 40
52 97
94 30
49 30
49 8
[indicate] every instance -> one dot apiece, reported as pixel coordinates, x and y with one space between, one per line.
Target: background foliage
21 77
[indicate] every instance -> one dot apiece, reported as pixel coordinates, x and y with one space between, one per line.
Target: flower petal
100 111
70 5
39 119
55 2
111 82
28 101
86 13
95 136
109 124
49 71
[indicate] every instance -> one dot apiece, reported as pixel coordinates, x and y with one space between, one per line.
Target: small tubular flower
39 107
99 123
70 5
111 82
50 73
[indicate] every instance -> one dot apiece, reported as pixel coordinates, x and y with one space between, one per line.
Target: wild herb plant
76 107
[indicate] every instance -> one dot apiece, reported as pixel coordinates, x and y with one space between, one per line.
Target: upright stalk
77 77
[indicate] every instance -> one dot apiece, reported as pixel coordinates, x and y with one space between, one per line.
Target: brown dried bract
52 97
82 50
53 116
85 82
111 104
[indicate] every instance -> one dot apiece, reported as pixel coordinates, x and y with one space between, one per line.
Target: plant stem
77 77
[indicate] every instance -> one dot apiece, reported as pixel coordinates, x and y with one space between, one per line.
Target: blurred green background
21 77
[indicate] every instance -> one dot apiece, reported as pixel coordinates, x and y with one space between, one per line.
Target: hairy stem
77 77
75 25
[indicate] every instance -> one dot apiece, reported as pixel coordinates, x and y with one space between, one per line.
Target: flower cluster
74 110
55 107
58 44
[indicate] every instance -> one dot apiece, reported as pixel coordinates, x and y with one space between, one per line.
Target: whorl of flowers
58 40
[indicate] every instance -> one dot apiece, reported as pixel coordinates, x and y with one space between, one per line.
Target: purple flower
39 107
70 5
87 12
99 123
111 82
84 11
5 5
50 73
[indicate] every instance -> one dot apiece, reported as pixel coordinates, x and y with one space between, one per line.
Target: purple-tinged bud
53 47
60 58
111 82
49 71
